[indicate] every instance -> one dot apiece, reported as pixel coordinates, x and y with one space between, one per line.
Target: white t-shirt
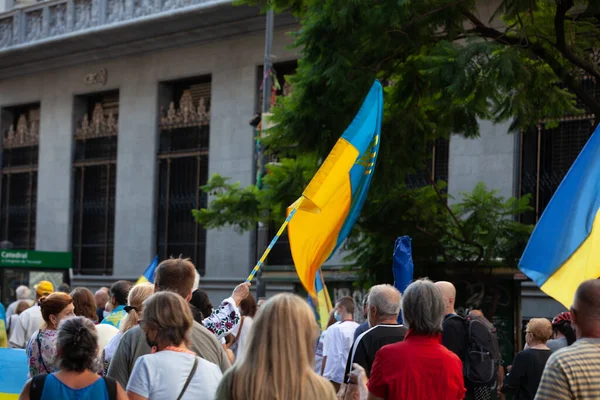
336 347
319 353
162 376
31 321
241 342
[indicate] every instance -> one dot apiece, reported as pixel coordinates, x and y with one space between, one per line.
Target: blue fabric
148 274
13 371
55 389
362 328
2 313
115 317
567 221
360 135
403 266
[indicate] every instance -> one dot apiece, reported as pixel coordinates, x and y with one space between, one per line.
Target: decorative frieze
102 124
58 20
97 78
6 32
34 26
27 133
187 115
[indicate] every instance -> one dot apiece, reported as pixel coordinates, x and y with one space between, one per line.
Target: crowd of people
166 341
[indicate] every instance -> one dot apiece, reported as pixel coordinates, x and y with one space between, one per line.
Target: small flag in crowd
323 305
148 275
564 249
13 375
332 201
402 265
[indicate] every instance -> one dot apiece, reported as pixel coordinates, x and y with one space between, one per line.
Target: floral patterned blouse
41 353
223 319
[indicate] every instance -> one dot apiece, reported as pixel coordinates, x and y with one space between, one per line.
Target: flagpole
260 262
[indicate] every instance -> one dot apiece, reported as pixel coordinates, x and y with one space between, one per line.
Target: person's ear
53 319
189 296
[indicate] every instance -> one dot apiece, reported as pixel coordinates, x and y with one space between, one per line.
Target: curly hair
77 345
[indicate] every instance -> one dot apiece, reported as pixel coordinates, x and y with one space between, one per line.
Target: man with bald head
454 335
573 372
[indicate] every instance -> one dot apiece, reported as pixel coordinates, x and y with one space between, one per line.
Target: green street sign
35 259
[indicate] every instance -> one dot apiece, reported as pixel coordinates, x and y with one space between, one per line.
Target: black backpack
37 387
482 358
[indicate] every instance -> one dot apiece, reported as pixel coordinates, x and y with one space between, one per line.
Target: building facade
114 112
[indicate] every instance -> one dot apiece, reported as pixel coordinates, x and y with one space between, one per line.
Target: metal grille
546 156
19 185
436 166
94 186
183 168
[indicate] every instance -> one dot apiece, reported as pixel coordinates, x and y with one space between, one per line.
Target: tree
444 67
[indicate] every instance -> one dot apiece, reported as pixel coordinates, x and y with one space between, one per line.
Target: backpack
482 357
37 387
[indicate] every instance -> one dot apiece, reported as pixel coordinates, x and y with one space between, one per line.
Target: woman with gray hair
419 367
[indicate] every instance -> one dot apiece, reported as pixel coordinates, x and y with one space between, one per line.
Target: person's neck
450 310
181 347
538 346
387 321
590 333
347 317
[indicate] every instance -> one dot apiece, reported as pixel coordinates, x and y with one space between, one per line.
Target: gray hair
23 293
386 299
423 307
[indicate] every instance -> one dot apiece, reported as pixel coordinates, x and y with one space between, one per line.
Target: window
436 168
94 183
547 154
20 139
182 168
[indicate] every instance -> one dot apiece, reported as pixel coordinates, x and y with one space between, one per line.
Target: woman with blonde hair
527 368
279 356
135 304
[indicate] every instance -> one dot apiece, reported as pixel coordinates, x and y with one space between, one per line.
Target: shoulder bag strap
37 387
189 379
40 357
111 387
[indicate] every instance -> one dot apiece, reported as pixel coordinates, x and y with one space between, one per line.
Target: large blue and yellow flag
148 275
333 199
564 249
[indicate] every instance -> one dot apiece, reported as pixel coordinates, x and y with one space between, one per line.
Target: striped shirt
572 372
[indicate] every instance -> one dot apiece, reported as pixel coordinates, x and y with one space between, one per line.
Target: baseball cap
44 288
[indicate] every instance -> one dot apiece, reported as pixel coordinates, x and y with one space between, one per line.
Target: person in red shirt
420 367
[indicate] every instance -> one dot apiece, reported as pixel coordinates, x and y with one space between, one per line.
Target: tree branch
562 7
539 51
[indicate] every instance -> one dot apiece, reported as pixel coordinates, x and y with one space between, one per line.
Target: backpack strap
37 387
111 387
189 378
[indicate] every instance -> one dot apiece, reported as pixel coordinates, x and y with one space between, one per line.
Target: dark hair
77 345
120 290
348 304
64 287
248 306
566 329
84 302
201 302
53 304
175 275
169 316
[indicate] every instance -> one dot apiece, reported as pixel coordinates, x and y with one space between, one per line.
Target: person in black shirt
383 306
527 368
454 335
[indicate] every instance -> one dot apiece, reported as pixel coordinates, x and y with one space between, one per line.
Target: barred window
94 183
182 168
19 166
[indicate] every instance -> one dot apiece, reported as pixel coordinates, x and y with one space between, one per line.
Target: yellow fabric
142 280
3 336
313 236
8 396
332 175
584 264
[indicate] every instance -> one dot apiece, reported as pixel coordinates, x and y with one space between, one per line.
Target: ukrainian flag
148 275
323 305
564 249
13 373
332 201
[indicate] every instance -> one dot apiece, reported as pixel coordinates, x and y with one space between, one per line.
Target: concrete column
489 158
53 228
231 155
136 173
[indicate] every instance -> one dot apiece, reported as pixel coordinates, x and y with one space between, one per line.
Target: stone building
114 112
